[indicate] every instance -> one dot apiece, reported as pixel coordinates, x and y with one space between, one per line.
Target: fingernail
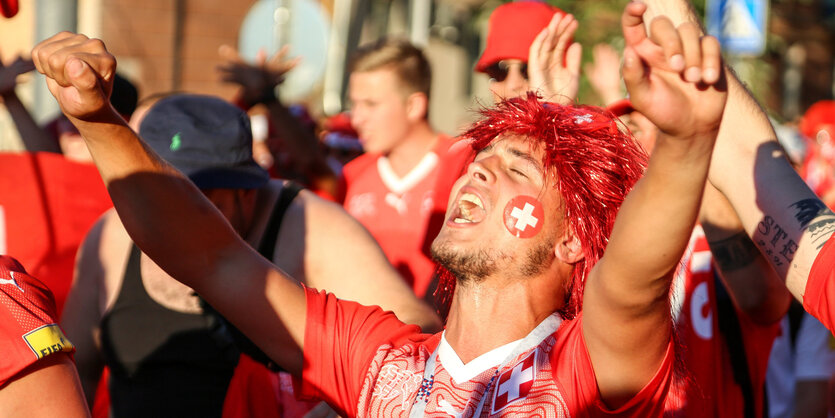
693 74
710 75
628 58
677 62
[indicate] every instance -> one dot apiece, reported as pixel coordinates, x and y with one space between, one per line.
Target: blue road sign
740 25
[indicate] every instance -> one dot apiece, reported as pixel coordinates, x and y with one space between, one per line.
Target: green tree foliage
600 23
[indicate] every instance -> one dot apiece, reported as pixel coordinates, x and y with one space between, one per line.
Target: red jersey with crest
27 330
709 389
366 363
819 298
405 214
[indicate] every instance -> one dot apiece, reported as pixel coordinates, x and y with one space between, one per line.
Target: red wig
592 162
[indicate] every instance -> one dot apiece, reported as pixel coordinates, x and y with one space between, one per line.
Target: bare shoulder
111 254
327 214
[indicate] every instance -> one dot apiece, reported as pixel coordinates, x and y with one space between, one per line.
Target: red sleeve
28 331
820 286
575 376
341 338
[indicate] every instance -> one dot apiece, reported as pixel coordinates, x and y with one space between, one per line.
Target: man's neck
420 140
485 316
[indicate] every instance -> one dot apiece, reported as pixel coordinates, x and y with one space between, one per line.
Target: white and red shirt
366 363
28 329
708 389
405 214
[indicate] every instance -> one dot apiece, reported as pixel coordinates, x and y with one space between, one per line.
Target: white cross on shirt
517 377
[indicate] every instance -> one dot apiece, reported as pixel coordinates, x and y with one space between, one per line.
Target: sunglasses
499 70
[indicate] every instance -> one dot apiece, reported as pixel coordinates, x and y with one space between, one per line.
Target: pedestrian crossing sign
740 25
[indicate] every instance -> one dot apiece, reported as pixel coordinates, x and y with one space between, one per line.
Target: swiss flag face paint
523 216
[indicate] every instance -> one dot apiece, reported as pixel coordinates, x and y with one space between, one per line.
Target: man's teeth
467 202
469 197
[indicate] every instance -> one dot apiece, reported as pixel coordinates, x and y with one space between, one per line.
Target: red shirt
365 362
709 389
47 204
28 330
405 214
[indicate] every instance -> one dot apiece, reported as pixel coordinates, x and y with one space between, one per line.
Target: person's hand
674 75
9 73
554 60
79 73
257 80
603 73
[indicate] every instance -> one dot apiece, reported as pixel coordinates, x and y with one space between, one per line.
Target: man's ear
417 106
568 249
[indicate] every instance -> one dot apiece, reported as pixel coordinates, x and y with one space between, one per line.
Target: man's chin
464 265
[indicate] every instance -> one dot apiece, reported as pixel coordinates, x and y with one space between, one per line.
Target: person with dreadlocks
541 320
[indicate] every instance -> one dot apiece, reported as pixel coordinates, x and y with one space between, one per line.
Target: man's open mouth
470 209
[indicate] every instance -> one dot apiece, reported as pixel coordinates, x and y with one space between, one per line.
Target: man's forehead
383 77
517 143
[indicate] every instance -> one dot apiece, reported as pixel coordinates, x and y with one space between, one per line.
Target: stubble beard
472 267
475 266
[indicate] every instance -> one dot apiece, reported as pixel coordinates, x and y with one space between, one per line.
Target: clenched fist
79 73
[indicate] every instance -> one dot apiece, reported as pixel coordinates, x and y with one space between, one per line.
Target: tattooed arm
753 285
785 219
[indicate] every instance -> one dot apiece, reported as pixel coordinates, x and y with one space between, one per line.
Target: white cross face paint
524 216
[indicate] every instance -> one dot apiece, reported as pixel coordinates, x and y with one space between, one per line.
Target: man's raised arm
627 321
165 214
787 222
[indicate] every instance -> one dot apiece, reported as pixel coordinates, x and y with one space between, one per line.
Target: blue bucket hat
206 138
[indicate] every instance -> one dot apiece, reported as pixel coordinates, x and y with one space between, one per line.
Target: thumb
87 95
81 76
635 76
632 23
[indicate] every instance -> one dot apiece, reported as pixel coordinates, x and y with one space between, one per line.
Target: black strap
266 248
731 330
267 245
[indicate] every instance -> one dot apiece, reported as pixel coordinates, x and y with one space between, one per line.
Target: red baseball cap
820 115
8 8
511 30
